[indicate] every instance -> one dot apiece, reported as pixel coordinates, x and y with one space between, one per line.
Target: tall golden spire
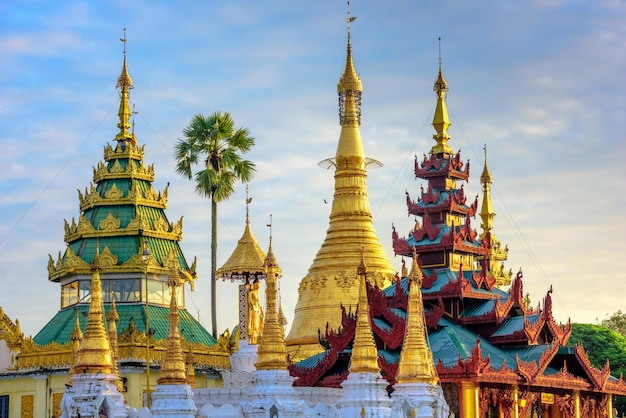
497 253
112 318
330 281
364 358
173 367
272 352
124 83
94 354
486 211
416 359
441 121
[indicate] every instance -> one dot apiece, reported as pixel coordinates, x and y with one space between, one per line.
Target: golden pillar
576 396
469 405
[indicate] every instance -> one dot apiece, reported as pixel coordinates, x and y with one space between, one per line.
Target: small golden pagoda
416 360
272 352
330 281
364 357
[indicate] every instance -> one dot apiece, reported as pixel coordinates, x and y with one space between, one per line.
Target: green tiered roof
123 219
60 327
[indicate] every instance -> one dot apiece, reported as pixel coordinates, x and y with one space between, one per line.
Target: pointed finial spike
440 52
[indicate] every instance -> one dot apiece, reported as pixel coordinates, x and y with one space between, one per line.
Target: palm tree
216 146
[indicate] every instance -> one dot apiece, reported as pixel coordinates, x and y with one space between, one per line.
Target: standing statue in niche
254 315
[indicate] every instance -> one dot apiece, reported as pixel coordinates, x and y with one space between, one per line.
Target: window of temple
4 406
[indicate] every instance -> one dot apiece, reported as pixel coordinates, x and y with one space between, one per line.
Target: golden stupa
331 280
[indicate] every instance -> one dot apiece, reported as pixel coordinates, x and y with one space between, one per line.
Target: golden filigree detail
345 280
303 286
72 261
317 283
114 192
84 226
161 225
170 262
117 167
110 223
27 406
150 194
107 259
10 331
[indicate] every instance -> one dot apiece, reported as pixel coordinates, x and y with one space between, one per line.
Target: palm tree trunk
213 266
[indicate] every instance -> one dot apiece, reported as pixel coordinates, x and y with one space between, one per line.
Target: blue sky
541 82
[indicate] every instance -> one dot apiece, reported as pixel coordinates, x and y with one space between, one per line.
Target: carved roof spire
416 360
441 121
364 358
94 354
272 352
124 83
173 370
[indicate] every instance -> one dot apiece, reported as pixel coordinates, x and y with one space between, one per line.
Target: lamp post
146 259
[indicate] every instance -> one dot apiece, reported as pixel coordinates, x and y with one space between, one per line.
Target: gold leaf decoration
114 192
110 223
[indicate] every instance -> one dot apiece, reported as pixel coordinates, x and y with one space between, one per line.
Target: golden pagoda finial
272 352
349 87
173 367
364 358
112 318
441 121
94 354
486 211
124 83
416 360
248 201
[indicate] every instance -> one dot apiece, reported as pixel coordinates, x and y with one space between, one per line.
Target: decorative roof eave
597 377
59 356
130 152
102 172
110 226
115 196
72 264
433 166
10 331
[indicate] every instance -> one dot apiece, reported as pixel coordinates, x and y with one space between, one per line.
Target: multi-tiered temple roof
122 216
487 343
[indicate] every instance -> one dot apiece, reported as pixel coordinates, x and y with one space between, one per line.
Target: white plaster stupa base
90 394
273 391
364 391
420 399
173 401
242 365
